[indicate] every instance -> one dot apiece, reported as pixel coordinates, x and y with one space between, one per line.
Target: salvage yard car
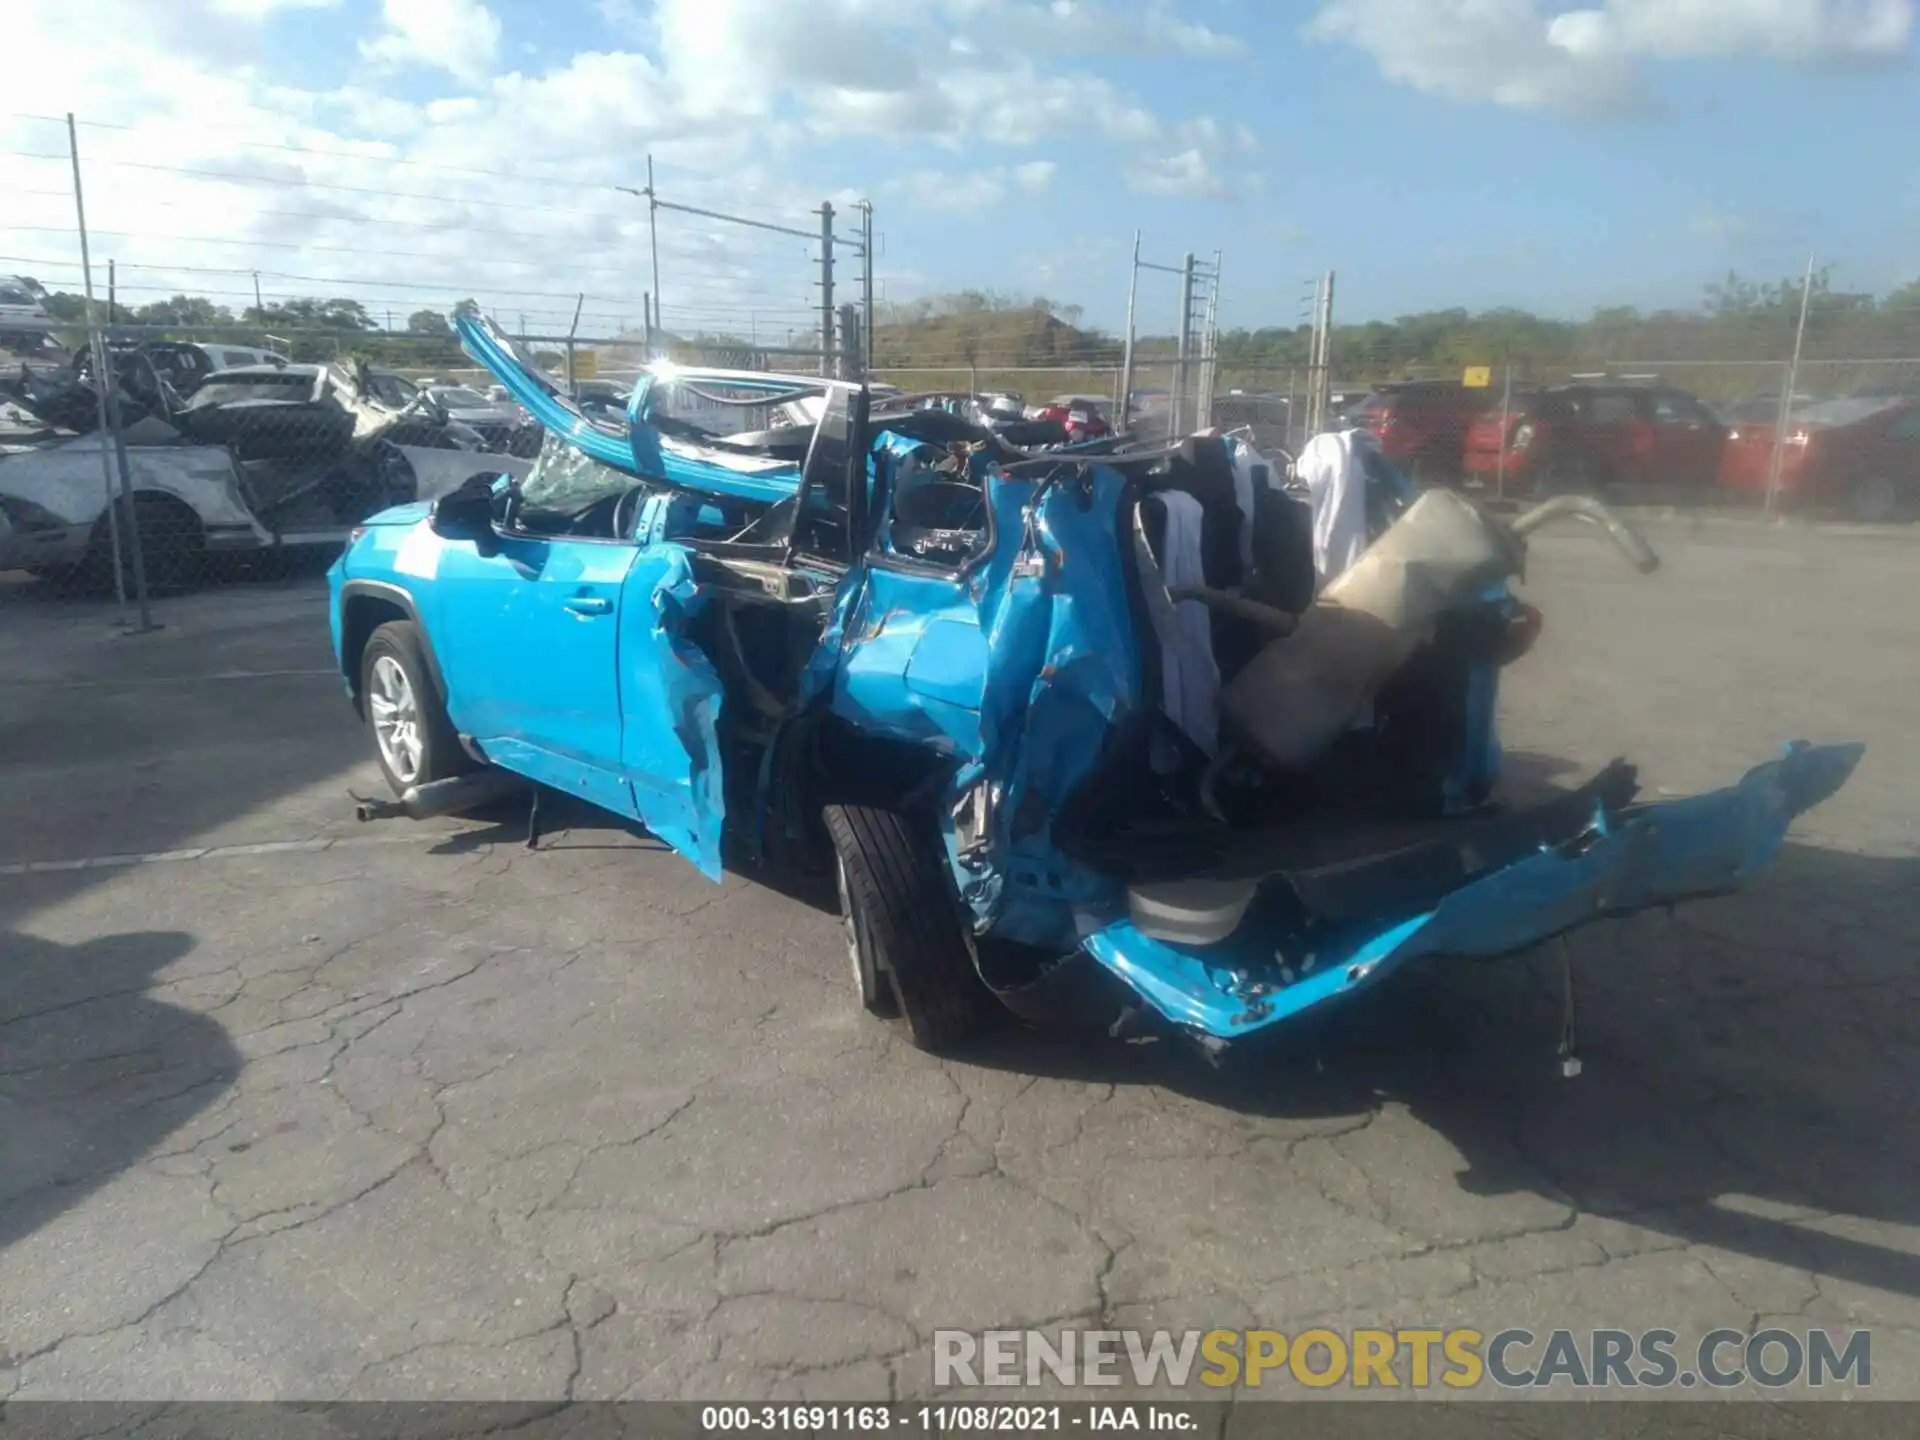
24 322
255 457
1087 738
188 502
1860 455
1584 439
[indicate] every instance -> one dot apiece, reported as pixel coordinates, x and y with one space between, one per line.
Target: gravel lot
309 1110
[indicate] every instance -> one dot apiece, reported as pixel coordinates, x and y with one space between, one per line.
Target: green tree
428 322
182 310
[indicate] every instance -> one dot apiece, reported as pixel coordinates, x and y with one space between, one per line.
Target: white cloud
261 9
364 188
1189 37
973 191
461 37
1796 31
1591 61
1719 227
1187 175
1036 176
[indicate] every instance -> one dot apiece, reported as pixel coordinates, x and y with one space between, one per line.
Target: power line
302 245
437 228
440 165
304 183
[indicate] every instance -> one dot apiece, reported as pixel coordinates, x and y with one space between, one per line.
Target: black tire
441 756
870 979
904 914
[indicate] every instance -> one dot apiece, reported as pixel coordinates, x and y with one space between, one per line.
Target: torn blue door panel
670 709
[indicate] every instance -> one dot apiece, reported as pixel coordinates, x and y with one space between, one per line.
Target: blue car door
530 645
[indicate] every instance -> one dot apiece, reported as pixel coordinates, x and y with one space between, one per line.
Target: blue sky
1432 152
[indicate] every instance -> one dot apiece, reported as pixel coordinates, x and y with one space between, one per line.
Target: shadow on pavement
132 744
94 1070
1760 1046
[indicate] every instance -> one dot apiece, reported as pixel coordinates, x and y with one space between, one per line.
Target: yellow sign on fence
1478 377
586 364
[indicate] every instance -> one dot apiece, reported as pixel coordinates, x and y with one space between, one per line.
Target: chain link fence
182 405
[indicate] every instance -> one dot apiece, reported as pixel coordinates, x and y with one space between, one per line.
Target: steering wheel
622 521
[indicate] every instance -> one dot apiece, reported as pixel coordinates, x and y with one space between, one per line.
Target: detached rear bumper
1276 966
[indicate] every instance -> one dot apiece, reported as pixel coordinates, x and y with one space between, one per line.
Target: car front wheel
906 936
412 736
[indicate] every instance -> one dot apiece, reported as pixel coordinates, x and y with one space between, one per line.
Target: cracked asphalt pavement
294 1108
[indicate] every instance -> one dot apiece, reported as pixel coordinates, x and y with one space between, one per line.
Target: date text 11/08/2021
947 1419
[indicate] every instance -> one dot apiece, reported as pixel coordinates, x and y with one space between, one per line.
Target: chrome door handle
588 605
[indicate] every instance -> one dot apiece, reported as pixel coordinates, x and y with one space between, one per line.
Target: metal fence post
1183 354
826 287
1776 462
1326 347
1293 408
1506 411
1210 348
852 345
1124 405
109 417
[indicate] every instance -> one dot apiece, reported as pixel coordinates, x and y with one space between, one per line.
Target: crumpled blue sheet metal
641 450
676 772
1652 855
1015 670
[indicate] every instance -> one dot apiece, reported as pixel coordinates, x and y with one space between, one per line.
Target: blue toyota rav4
1080 734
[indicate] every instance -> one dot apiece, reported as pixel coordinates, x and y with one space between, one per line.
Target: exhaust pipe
1584 507
443 797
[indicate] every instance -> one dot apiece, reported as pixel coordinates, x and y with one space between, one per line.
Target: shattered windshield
564 482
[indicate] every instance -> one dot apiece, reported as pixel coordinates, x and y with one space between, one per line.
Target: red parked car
1422 425
1085 417
1860 454
1584 438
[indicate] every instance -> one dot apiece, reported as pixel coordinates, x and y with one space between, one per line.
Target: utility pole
866 287
1778 458
826 287
113 310
653 242
259 305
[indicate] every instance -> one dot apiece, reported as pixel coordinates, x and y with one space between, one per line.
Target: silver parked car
187 502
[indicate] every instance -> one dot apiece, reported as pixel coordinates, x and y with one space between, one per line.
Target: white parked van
24 321
223 356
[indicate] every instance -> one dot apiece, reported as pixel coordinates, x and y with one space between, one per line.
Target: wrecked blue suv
1091 736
